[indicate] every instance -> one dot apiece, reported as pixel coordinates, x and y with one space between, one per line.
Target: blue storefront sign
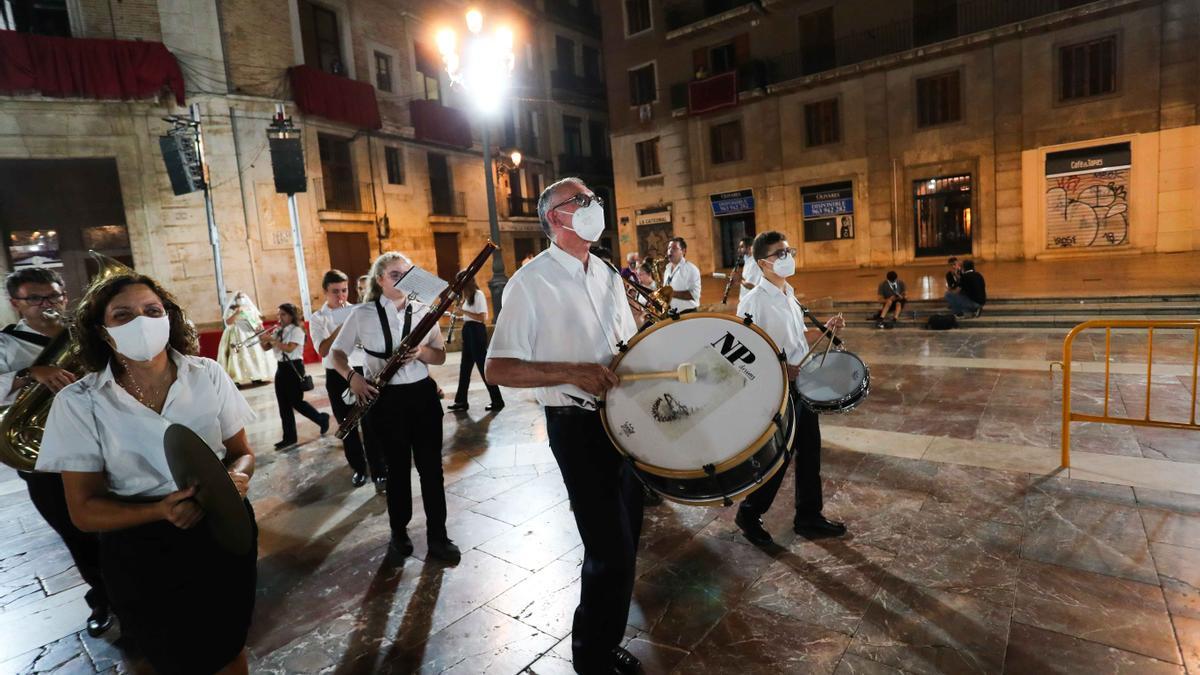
732 203
828 211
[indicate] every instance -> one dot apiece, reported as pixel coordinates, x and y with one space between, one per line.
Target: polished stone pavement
968 550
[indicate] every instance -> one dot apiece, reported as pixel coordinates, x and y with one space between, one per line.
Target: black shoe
625 663
324 423
399 548
818 526
359 479
99 621
494 407
445 551
460 407
381 485
285 443
752 529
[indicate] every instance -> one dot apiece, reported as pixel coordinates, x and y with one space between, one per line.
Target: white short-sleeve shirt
362 327
778 313
324 321
683 277
16 353
292 333
476 305
751 272
97 426
557 311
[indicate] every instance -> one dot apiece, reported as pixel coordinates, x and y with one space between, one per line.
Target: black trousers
46 493
406 421
361 454
607 503
474 354
806 449
290 397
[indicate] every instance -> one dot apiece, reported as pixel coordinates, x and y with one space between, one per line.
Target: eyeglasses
583 199
53 298
781 254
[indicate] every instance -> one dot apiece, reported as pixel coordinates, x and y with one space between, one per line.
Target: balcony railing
342 195
437 123
334 97
446 203
580 17
969 17
584 166
721 90
521 207
686 13
577 84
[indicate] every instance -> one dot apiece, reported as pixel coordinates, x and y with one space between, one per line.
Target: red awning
334 97
437 123
713 93
85 68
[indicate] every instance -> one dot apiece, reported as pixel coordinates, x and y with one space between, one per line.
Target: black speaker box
287 162
182 165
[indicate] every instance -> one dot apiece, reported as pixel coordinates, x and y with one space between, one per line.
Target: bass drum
711 441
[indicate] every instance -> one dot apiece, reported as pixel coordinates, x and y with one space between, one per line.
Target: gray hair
547 197
381 263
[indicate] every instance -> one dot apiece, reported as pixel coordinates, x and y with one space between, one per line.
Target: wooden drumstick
685 373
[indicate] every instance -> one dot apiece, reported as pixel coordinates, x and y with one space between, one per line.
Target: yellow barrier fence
1145 421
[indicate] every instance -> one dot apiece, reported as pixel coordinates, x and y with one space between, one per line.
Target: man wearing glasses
33 292
773 306
564 313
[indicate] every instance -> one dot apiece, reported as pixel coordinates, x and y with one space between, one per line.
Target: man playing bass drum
772 305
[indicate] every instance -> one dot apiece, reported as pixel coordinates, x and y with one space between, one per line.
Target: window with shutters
726 140
1088 69
383 72
428 65
643 85
394 161
647 158
939 99
572 135
637 17
822 124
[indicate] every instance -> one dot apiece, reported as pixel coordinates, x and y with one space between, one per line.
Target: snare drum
716 439
838 386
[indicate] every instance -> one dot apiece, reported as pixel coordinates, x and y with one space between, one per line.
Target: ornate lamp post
482 65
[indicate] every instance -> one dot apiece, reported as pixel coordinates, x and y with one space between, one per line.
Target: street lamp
482 65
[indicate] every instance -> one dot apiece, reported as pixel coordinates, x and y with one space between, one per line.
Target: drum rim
735 497
844 404
741 456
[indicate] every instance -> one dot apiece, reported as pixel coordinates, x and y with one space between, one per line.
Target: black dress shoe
358 479
445 551
752 529
285 443
458 407
399 548
381 485
818 526
625 663
494 407
324 423
99 621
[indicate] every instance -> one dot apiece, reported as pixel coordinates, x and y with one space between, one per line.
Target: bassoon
397 360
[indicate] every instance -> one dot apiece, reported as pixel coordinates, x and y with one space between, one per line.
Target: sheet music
421 285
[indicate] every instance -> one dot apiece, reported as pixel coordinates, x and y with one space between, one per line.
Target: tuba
23 422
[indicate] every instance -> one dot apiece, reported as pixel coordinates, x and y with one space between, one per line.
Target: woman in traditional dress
239 354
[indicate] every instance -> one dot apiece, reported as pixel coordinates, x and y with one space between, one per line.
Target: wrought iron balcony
580 17
722 90
577 84
334 194
685 14
437 123
447 204
521 207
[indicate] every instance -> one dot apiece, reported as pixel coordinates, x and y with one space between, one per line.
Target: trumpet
656 304
238 346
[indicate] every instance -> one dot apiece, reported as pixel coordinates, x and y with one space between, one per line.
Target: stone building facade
413 182
881 133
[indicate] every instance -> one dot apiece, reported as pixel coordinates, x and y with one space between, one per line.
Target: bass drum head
674 429
838 385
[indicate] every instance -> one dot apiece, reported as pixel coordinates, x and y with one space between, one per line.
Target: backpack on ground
941 322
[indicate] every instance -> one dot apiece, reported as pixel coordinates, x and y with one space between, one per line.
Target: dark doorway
52 211
733 228
818 52
441 186
942 215
350 252
445 248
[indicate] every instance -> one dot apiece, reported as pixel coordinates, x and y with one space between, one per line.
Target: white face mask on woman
142 338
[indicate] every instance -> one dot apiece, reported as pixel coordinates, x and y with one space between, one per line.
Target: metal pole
499 278
214 236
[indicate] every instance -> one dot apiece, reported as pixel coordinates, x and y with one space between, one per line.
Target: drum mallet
685 373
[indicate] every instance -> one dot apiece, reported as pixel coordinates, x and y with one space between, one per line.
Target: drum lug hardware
782 357
755 463
674 314
778 420
622 347
710 469
747 320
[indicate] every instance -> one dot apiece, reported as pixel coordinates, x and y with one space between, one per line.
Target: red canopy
437 123
713 93
335 97
85 68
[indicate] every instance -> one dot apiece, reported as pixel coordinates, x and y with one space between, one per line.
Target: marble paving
968 550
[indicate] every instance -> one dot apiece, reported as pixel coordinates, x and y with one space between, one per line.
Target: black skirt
184 601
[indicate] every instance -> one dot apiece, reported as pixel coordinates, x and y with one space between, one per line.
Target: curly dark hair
292 311
94 349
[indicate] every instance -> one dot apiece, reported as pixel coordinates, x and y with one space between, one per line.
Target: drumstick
685 373
834 333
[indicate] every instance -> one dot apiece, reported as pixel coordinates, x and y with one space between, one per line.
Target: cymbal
192 462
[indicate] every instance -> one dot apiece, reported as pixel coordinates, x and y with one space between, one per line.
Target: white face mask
588 222
141 339
785 267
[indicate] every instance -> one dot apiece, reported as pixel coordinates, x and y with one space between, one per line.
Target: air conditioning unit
645 112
